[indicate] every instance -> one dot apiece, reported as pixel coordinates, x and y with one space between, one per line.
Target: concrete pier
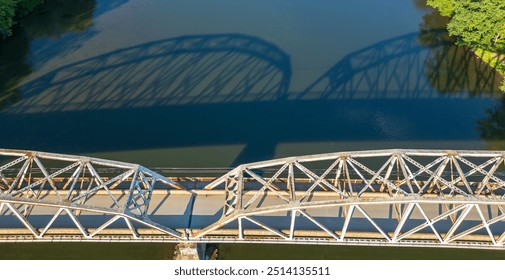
190 251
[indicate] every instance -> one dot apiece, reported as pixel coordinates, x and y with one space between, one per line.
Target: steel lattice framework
386 197
22 190
455 183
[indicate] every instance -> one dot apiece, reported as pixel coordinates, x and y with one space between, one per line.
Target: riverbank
495 60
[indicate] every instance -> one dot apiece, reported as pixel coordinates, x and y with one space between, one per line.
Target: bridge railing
441 187
437 197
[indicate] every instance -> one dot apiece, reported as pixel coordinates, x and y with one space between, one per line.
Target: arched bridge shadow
201 69
232 68
412 66
234 89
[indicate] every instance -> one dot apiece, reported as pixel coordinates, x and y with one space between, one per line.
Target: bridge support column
190 251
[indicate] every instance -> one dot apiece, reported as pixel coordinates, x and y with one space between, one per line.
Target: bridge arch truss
400 197
65 185
436 198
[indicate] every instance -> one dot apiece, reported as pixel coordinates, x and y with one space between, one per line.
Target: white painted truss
27 178
387 198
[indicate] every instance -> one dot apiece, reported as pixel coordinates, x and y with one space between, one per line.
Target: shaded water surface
215 84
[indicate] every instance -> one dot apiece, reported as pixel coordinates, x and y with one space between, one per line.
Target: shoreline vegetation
11 11
494 59
480 25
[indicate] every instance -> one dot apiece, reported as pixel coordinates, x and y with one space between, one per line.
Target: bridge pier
190 251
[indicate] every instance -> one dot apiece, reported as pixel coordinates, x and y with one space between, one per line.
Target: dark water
86 251
219 83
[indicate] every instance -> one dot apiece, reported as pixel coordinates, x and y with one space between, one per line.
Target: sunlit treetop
476 23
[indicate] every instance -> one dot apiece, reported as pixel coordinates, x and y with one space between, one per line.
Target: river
219 83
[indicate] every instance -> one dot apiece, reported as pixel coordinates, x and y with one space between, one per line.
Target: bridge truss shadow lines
173 83
233 68
407 67
202 69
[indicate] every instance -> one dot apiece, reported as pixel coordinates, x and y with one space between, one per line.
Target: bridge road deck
195 209
445 200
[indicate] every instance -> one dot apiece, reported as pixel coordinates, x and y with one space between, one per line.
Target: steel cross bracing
386 197
26 180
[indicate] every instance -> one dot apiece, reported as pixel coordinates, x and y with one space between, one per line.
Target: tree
451 68
7 10
24 7
443 6
14 8
479 23
475 23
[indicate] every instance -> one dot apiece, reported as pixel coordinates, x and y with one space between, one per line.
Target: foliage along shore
480 25
12 9
495 60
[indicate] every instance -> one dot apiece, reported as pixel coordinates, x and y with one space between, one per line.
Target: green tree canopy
479 23
443 6
7 10
475 23
14 8
26 6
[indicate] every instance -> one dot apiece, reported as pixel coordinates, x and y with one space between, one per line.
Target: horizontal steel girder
386 197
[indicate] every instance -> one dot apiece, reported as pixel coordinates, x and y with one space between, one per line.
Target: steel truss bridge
433 198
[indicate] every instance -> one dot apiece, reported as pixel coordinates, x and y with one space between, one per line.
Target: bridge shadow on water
234 89
185 70
418 65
